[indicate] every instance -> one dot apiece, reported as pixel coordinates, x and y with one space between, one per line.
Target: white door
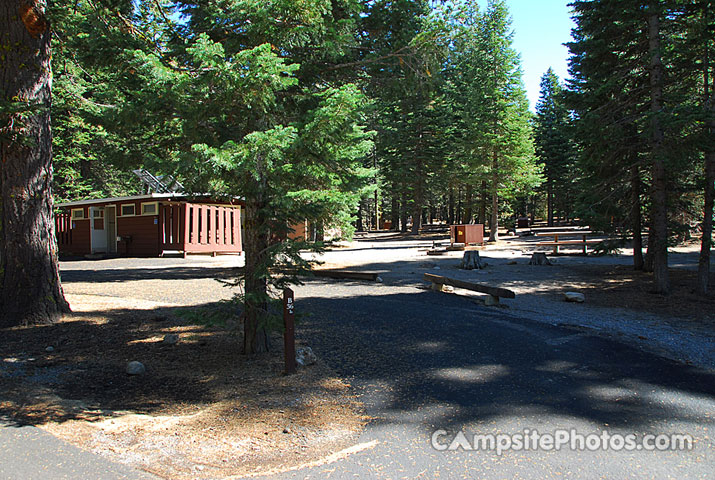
110 223
97 229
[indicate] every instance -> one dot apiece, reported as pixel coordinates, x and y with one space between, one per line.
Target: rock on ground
304 356
574 297
136 368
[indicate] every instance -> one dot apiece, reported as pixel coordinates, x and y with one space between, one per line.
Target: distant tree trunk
458 215
636 218
418 196
494 223
30 288
450 208
706 241
395 211
483 204
550 202
659 195
403 213
468 202
257 237
360 223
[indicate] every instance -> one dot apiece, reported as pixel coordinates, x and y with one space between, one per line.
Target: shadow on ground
435 359
76 369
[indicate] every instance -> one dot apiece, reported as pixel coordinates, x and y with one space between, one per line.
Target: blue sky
540 29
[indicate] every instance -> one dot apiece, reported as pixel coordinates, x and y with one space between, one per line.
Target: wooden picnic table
584 242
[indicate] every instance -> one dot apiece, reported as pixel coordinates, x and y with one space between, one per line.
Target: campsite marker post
289 330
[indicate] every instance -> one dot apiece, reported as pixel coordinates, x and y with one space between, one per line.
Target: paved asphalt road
422 361
28 453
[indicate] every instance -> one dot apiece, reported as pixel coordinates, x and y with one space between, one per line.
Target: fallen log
477 287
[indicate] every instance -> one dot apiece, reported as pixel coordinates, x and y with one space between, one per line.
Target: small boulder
304 356
574 297
171 339
136 368
50 349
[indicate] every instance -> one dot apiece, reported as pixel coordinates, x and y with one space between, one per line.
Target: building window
128 210
151 208
77 213
97 213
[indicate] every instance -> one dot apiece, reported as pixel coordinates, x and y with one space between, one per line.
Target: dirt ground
200 411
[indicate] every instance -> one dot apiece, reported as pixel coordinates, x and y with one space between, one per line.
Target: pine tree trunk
468 201
636 218
659 195
494 223
483 204
550 202
395 212
458 215
256 236
703 286
360 227
419 194
403 213
450 208
30 288
706 242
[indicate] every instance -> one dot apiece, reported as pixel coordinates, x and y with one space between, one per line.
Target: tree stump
539 258
471 261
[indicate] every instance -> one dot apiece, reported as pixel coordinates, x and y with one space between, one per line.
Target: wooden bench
584 242
438 282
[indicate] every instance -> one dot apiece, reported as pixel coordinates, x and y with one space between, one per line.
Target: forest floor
202 410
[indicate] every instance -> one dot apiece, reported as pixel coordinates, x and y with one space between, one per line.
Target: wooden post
289 330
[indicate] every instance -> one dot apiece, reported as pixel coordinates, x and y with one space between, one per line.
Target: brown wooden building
148 225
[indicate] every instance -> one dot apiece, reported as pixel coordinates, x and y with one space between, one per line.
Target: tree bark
418 198
550 202
450 208
257 237
494 223
395 211
706 242
403 213
360 227
468 202
636 221
702 286
483 204
659 194
30 288
458 215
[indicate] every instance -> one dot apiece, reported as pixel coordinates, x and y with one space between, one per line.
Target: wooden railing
197 228
63 229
